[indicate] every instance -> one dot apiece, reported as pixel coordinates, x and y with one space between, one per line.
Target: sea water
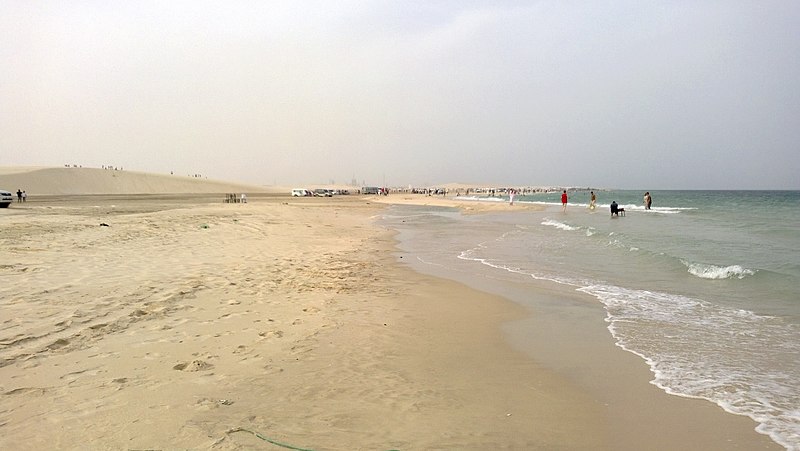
703 286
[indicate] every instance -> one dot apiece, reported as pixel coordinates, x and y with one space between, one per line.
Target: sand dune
60 181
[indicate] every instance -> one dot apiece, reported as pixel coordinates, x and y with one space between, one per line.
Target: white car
6 198
300 192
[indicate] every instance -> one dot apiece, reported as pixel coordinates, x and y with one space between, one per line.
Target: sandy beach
167 319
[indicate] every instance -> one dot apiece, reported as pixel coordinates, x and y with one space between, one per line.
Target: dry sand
467 205
171 327
187 323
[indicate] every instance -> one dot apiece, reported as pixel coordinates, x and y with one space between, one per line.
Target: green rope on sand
274 442
267 439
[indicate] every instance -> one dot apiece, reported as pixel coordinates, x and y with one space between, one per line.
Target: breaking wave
706 271
558 225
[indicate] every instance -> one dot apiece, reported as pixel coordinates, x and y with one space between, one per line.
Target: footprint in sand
271 334
194 365
212 403
26 391
58 344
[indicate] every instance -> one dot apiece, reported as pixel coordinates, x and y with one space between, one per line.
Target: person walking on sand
564 199
592 202
24 196
511 196
648 200
19 195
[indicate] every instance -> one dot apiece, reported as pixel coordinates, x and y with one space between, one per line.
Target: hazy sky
618 94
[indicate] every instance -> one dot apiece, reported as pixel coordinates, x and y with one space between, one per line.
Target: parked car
6 198
322 192
301 192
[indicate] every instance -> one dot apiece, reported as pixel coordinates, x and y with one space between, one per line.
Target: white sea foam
558 225
739 376
705 271
661 210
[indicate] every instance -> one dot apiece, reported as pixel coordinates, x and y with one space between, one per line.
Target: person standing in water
592 201
564 201
648 200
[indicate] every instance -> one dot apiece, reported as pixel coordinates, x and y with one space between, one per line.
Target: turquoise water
704 286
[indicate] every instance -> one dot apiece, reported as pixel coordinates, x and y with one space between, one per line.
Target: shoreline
565 331
295 319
